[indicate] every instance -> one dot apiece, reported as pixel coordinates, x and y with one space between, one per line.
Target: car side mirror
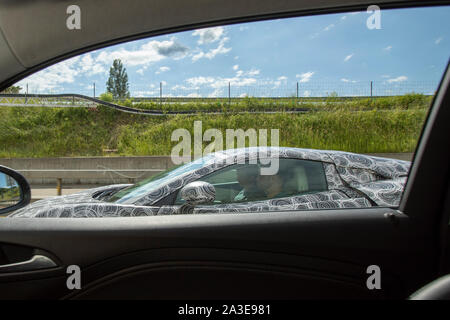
15 191
198 192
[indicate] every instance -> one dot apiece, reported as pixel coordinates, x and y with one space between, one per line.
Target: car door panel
261 240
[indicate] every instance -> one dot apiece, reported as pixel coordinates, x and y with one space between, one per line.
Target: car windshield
131 193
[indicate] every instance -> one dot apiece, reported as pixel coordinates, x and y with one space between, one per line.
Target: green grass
354 126
406 102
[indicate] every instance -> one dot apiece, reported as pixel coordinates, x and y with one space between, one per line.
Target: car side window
246 183
225 181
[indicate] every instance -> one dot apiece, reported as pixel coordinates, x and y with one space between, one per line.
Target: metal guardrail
78 100
59 174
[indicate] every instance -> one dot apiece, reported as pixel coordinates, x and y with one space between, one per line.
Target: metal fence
266 89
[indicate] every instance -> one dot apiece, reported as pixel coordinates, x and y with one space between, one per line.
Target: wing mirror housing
198 192
15 191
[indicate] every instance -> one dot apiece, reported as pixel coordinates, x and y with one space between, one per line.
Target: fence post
59 186
94 89
160 93
297 92
229 93
371 85
26 97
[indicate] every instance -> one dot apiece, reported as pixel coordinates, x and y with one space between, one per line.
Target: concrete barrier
88 170
104 170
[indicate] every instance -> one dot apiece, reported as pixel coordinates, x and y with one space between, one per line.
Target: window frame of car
170 199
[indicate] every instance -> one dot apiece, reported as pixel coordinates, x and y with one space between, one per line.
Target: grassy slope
408 101
387 126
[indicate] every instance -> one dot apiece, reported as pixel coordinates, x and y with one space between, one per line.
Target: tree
117 83
12 89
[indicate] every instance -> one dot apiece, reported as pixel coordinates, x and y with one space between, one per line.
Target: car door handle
37 262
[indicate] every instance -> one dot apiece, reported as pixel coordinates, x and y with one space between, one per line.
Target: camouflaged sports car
233 181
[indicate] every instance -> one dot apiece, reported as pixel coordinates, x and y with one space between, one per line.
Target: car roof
34 35
385 167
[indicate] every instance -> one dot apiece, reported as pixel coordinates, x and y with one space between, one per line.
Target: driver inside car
274 185
247 176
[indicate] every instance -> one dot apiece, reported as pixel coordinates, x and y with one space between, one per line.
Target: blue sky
322 53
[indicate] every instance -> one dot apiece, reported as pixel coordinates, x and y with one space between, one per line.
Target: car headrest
297 181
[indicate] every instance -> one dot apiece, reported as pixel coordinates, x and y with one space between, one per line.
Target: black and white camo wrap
387 193
198 192
384 168
352 180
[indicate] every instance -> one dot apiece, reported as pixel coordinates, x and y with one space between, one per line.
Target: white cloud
52 77
348 80
218 86
343 17
162 69
235 67
209 35
213 52
438 40
398 79
305 77
348 57
307 93
278 82
327 28
90 64
388 48
141 70
234 82
90 67
196 81
216 93
149 52
181 87
253 72
218 83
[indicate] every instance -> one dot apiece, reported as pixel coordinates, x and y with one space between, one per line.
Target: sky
321 54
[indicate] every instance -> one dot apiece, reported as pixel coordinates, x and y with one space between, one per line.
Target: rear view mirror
14 190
